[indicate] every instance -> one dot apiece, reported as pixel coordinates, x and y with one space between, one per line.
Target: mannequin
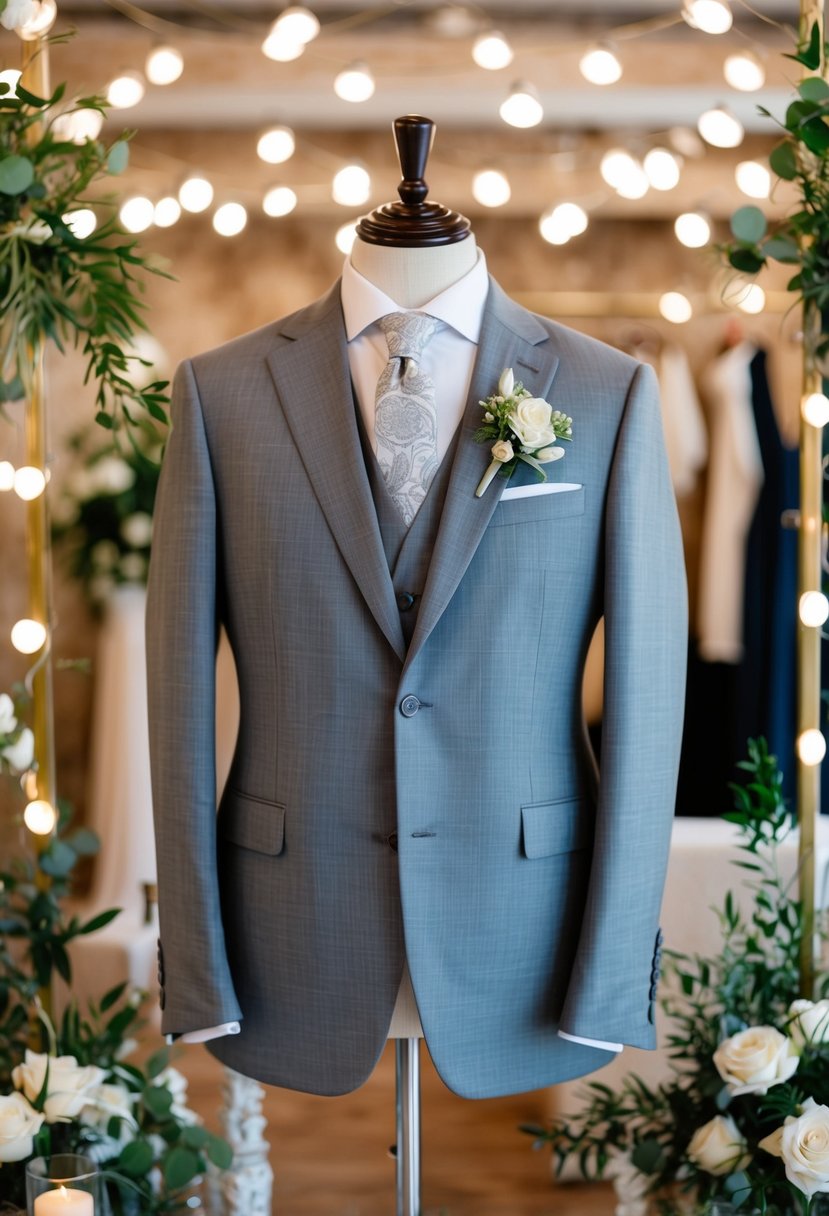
410 785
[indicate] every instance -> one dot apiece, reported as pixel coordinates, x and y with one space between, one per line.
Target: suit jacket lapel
313 382
510 337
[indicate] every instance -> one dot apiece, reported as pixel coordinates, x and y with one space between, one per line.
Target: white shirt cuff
201 1036
576 1038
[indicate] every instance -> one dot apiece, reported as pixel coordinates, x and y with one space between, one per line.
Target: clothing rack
632 304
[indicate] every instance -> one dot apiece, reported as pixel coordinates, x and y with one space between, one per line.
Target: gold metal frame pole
809 578
38 537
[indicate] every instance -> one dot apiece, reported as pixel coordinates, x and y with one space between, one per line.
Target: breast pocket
252 823
539 507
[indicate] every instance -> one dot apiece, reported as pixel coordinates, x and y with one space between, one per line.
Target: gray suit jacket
526 891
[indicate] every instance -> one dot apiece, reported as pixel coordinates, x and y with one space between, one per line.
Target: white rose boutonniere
522 427
754 1060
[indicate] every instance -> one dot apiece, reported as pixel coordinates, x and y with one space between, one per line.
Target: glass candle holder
65 1184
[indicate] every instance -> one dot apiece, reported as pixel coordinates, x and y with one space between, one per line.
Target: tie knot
407 333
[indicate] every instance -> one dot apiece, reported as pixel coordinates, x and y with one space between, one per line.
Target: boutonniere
523 427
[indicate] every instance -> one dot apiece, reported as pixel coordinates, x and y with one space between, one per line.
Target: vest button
409 706
405 600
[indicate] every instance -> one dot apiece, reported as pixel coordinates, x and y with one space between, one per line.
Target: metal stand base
407 1154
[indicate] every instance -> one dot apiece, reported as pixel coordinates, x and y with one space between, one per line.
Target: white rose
502 450
176 1082
18 13
507 382
630 1185
546 455
103 1102
810 1022
19 1124
755 1059
20 753
7 719
718 1147
137 529
36 231
112 475
803 1143
69 1083
531 422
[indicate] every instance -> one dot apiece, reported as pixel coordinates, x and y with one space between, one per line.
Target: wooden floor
330 1156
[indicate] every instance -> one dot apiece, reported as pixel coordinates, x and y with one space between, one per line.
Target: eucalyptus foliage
801 238
752 981
56 286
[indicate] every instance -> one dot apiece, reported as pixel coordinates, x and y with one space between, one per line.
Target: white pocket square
539 487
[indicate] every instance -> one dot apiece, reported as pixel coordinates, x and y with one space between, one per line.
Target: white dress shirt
448 358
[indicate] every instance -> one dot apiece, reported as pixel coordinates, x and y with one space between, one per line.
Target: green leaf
219 1152
814 88
815 135
746 260
749 224
118 157
114 994
809 53
58 860
136 1159
781 249
783 161
157 1100
104 419
647 1156
85 842
12 390
99 921
180 1166
158 1062
194 1137
16 174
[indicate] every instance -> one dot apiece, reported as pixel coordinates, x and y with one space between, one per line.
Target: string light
279 48
686 142
276 145
164 65
753 178
6 475
692 229
196 194
563 223
815 409
354 83
345 238
137 213
752 299
81 223
41 23
230 219
811 747
744 70
710 16
492 51
126 91
11 77
29 482
40 817
167 212
661 168
351 186
28 636
675 307
720 128
635 184
600 65
79 125
298 24
813 609
280 200
618 166
491 188
522 108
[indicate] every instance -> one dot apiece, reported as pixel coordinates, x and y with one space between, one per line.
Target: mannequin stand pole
407 1156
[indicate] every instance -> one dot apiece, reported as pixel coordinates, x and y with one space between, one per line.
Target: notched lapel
313 383
510 337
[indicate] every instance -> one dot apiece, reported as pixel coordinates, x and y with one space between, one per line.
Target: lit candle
64 1202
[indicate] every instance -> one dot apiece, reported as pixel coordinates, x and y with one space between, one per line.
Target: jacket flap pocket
539 507
252 823
556 827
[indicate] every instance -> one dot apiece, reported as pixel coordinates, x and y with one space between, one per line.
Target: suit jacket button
405 600
409 706
393 842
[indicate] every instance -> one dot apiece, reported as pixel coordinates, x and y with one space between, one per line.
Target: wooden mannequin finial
413 222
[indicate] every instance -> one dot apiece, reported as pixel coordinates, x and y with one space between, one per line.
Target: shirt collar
461 305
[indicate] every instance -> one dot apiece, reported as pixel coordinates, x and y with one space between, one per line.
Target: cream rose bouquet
744 1120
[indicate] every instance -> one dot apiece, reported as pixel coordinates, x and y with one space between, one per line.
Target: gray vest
408 550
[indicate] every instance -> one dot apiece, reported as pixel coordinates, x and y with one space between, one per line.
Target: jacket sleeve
196 985
612 988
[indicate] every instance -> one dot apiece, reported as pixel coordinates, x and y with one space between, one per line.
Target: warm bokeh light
491 188
28 636
164 65
280 200
40 817
675 307
126 90
230 219
276 145
196 194
522 108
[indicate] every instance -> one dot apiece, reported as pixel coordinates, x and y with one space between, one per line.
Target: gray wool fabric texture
412 777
